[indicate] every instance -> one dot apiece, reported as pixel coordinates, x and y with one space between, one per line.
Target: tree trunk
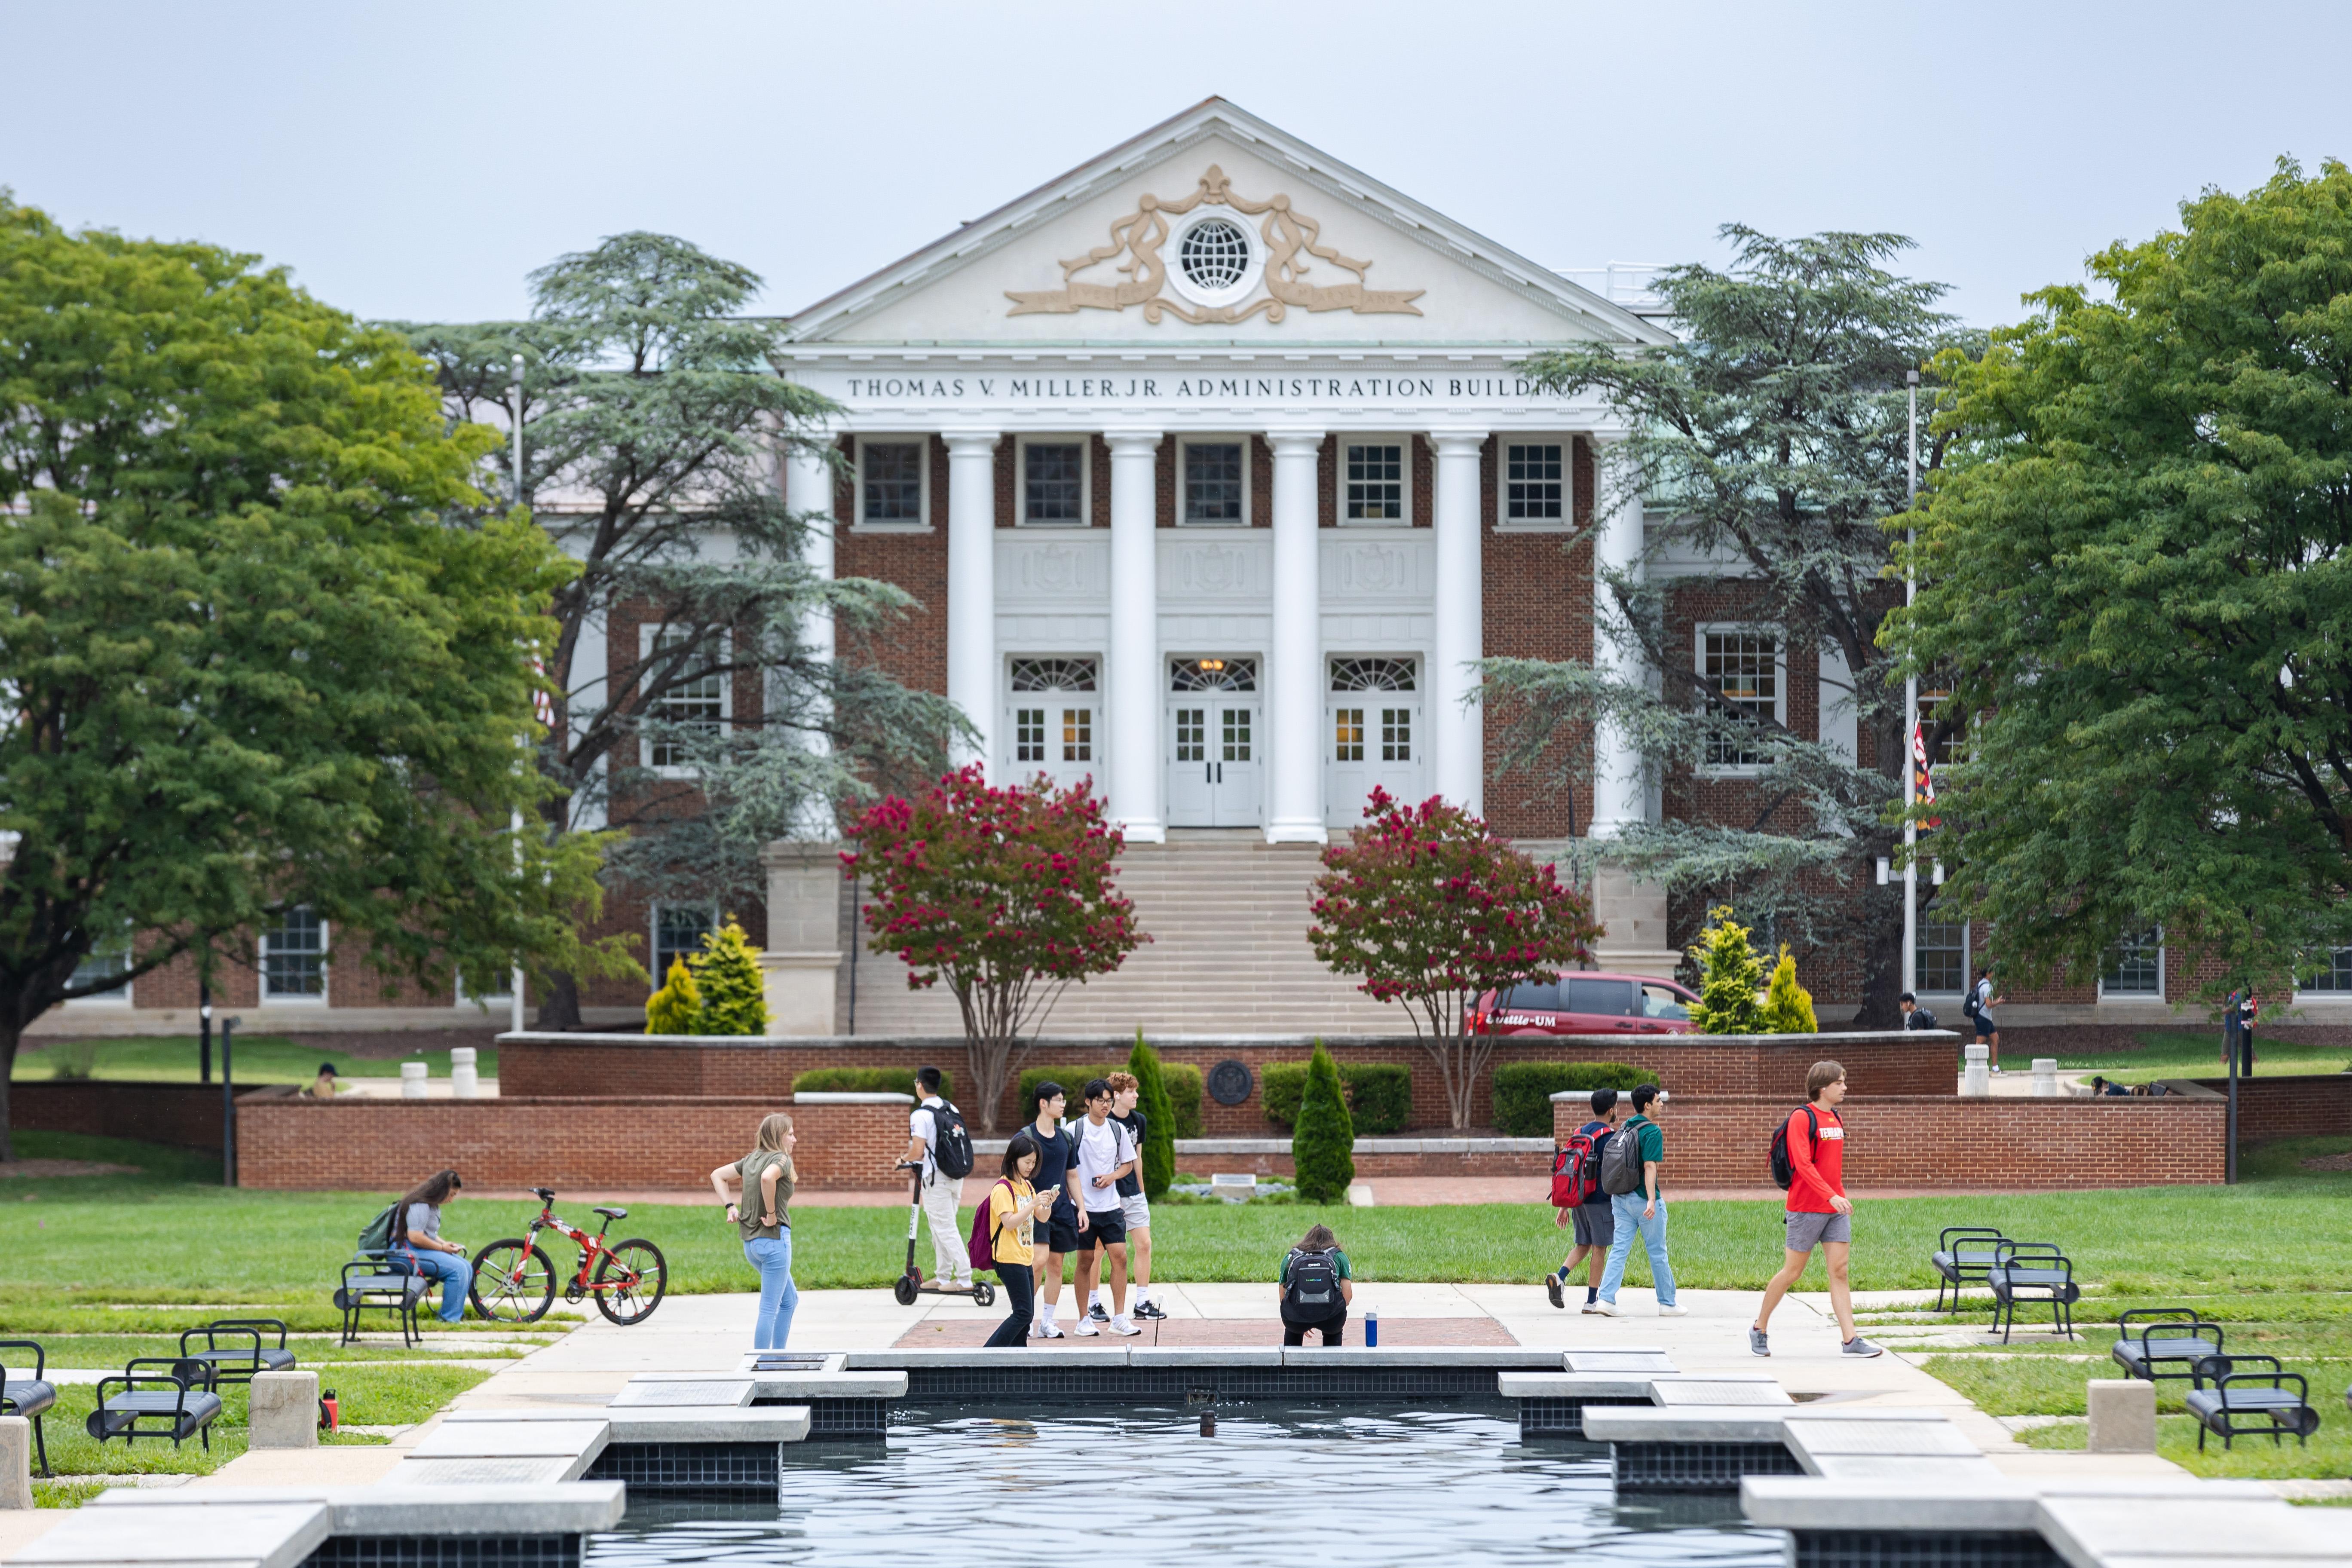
9 1036
559 1004
1883 980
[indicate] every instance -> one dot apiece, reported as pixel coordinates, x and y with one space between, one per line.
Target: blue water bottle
1371 1329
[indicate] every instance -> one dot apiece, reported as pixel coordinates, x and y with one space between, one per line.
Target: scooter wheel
903 1291
984 1294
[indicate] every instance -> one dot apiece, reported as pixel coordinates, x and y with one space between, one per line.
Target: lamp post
229 1105
203 1033
515 980
1911 717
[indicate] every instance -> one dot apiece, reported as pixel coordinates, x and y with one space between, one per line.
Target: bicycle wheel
630 1280
512 1285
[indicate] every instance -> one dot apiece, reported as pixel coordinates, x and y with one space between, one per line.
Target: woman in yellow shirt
1014 1207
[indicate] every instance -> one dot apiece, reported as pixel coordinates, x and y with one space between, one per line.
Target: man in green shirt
1641 1211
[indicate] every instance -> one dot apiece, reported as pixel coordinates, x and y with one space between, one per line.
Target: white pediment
1214 228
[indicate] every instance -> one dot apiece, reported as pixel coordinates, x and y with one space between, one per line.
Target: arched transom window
1213 674
1053 675
1372 675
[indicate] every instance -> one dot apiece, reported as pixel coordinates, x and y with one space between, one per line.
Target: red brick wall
184 1115
914 649
1538 605
2311 1106
1940 1142
381 1145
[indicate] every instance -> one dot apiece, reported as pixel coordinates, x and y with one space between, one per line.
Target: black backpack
1922 1018
1313 1293
951 1142
1784 1169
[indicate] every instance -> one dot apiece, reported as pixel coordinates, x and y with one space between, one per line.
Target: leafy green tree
1323 1143
734 996
653 421
1159 1117
2139 568
1788 1007
1772 436
677 1008
1730 976
255 657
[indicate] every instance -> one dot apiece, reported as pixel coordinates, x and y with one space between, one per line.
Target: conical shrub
1159 1117
1323 1143
727 973
1730 975
677 1008
1788 1007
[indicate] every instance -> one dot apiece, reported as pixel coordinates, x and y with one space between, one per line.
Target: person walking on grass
1630 1176
1593 1218
1103 1155
1055 1151
1819 1212
417 1246
1014 1208
950 1252
758 1192
1135 1206
1314 1286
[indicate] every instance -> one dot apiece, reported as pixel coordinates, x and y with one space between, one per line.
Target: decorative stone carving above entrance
1211 246
1214 569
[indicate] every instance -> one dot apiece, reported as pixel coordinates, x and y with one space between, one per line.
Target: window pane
1028 734
1213 483
1350 730
697 704
1657 1002
294 956
678 931
1532 481
1375 483
1077 734
1741 665
1396 734
1943 956
2335 975
1535 996
2136 966
1054 483
106 961
1192 734
893 481
1610 998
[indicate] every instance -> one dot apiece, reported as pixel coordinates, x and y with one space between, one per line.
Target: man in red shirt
1819 1214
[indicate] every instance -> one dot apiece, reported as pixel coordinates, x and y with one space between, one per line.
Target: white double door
1371 740
1216 761
1055 734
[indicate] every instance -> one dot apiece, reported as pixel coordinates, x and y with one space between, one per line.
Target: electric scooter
910 1285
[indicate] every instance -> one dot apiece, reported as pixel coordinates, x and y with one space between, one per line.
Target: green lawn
260 1058
2168 1053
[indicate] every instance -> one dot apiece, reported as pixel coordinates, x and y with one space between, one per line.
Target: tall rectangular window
1743 668
1192 734
1237 735
1942 956
294 956
1375 488
2134 967
678 931
1533 488
107 960
1213 483
1053 482
1077 734
1028 734
697 704
893 481
1396 734
1349 731
2335 976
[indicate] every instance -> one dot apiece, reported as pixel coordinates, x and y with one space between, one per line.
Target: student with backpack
1978 1006
938 1140
1054 1154
1629 1175
1003 1236
1914 1016
1808 1159
1314 1286
1103 1155
1576 1177
415 1244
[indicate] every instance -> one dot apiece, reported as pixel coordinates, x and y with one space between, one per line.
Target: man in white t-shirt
940 1192
1105 1154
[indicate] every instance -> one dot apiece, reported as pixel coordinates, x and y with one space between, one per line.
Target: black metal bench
370 1285
154 1404
2173 1337
30 1398
2033 1271
237 1360
2247 1398
1957 1263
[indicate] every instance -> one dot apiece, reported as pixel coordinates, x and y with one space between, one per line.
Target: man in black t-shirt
1058 1236
1125 1091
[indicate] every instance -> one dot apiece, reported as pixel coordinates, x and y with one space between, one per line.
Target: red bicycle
514 1282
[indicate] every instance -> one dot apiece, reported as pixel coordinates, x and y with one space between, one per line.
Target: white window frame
2156 996
857 486
2324 997
1339 518
268 998
121 995
1699 635
1504 442
1967 948
1085 445
1249 476
647 633
653 935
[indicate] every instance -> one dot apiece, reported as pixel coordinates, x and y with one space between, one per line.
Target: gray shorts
1596 1225
1806 1230
1138 1211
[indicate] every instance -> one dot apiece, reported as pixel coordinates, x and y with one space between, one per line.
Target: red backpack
1575 1170
980 1246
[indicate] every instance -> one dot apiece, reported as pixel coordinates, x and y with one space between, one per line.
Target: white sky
414 161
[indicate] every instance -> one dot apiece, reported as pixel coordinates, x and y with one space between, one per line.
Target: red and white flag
1923 778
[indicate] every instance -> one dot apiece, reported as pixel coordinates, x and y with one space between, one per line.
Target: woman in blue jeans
417 1246
758 1192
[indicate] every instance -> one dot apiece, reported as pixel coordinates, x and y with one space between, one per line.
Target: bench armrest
1980 1232
214 1332
41 1356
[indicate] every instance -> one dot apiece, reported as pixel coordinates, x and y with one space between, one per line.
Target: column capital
961 443
1294 443
1132 442
1457 443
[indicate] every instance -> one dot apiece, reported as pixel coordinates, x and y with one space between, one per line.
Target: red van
1584 1002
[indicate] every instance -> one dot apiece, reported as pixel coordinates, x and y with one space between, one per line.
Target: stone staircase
1227 915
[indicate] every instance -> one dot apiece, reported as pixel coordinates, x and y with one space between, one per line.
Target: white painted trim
2125 998
1086 444
857 483
647 633
1504 441
1249 476
1252 271
2325 998
1699 635
653 934
264 998
1967 951
1405 445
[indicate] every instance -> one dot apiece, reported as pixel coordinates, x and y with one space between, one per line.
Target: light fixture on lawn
1885 870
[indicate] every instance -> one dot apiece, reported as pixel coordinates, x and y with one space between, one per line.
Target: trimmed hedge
1523 1090
868 1080
1185 1088
1379 1094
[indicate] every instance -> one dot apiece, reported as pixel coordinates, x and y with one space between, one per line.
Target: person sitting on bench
417 1246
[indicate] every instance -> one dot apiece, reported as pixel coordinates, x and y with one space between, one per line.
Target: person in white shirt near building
942 1189
1106 1153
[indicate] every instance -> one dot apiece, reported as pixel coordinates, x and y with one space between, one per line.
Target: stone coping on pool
1499 1357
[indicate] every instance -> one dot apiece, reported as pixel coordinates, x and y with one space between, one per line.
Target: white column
1294 689
971 586
1134 682
1457 725
1620 792
808 491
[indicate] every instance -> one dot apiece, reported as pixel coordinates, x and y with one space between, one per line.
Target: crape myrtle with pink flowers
1005 894
1433 910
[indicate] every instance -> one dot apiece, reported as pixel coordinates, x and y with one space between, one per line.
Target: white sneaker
1120 1325
1673 1312
1606 1309
1052 1333
1087 1329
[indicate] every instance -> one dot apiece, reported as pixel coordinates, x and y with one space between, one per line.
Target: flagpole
1911 724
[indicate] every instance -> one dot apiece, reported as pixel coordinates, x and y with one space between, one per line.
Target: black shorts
1062 1235
1105 1227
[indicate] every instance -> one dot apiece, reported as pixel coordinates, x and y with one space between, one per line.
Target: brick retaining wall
1683 1064
640 1141
1945 1142
184 1115
2305 1105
